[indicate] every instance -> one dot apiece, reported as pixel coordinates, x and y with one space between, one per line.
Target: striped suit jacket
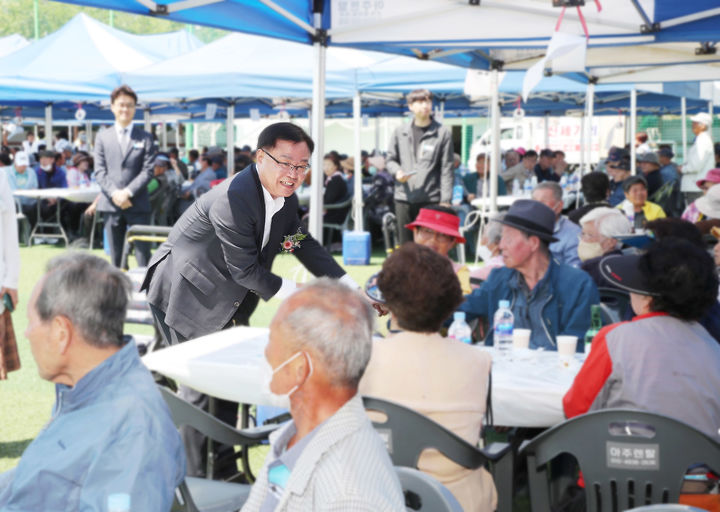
345 467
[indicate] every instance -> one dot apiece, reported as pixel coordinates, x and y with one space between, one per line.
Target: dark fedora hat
531 217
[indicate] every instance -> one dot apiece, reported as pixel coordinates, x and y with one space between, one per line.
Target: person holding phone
420 158
9 276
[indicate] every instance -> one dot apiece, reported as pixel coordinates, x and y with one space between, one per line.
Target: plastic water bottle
503 326
533 182
517 188
457 195
118 502
564 181
527 187
573 182
459 330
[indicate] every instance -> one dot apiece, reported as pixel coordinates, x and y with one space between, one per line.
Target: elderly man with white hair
329 457
599 226
701 155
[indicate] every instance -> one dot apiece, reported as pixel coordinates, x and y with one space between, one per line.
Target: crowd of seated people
547 264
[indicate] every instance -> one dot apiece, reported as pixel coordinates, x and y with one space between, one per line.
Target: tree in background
18 18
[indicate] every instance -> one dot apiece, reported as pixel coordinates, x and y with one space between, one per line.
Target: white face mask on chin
46 167
281 400
589 250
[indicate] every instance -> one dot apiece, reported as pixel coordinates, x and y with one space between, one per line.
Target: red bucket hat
441 222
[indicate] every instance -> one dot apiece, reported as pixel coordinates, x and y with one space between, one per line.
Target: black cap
531 217
624 272
547 152
46 153
666 152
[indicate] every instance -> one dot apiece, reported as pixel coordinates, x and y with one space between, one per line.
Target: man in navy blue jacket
549 298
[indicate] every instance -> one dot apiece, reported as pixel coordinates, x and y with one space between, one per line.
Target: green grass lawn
26 400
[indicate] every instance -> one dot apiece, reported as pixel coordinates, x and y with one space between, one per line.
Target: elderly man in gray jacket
328 457
420 157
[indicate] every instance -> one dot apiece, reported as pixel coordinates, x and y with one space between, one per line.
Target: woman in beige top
444 379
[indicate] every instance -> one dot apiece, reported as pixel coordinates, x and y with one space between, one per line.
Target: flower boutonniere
292 242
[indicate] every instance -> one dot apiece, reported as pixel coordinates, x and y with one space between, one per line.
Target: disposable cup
521 339
566 345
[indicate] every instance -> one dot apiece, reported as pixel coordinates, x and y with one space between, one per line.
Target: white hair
609 222
493 229
552 186
338 324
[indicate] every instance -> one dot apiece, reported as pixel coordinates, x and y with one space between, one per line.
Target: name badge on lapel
137 145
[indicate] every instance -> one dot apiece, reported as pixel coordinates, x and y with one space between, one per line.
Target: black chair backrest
407 433
184 413
628 458
614 304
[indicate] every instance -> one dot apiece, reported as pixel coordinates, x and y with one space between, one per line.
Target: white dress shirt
700 159
272 206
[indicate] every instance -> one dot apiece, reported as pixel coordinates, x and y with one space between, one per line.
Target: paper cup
566 346
521 338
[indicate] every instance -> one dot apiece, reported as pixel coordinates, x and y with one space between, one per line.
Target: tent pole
177 135
633 130
146 120
495 137
318 129
195 135
357 176
583 141
547 130
683 117
230 138
89 135
163 126
377 134
710 106
590 103
48 127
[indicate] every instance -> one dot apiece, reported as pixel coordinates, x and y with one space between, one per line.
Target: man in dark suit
124 156
215 265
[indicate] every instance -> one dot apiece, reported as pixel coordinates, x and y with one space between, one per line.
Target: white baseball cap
702 118
21 158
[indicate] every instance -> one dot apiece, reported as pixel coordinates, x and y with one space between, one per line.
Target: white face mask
46 167
281 400
485 253
589 250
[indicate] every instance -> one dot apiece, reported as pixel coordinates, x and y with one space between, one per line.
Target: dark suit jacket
117 168
336 191
213 256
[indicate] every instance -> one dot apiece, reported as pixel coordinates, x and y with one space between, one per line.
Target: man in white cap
701 157
22 177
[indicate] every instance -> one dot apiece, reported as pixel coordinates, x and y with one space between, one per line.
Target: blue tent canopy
83 61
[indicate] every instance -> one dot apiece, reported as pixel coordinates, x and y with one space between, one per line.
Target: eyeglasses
588 237
287 166
427 234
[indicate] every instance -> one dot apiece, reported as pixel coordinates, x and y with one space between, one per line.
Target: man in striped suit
328 457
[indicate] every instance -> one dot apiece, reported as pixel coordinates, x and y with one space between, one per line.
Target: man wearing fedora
549 298
701 156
